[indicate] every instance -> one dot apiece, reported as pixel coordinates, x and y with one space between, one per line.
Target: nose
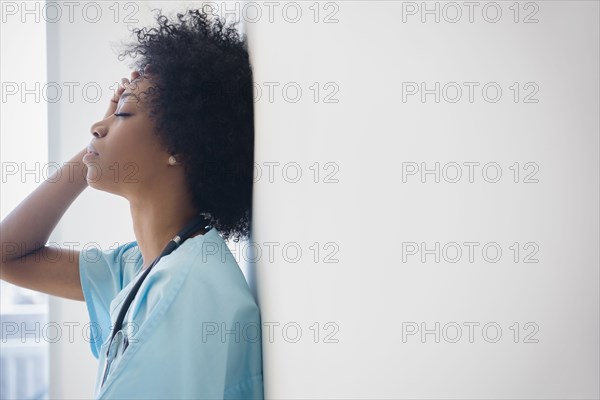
99 129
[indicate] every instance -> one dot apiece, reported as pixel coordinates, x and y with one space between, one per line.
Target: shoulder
202 272
217 268
205 255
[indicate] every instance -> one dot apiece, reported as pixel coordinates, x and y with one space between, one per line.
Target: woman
176 142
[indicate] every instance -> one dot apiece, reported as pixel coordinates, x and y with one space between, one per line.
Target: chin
94 174
94 183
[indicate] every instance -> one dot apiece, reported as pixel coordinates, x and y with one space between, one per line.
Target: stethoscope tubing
117 332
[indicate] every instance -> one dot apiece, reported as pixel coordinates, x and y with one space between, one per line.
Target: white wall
371 294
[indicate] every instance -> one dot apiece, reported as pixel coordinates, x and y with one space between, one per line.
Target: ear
173 160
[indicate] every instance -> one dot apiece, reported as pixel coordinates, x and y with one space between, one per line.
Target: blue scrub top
193 327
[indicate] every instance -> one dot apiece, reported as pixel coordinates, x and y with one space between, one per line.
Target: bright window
24 153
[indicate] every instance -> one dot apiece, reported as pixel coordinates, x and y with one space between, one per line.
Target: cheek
134 143
145 159
127 142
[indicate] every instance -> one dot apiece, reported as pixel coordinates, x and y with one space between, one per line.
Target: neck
156 222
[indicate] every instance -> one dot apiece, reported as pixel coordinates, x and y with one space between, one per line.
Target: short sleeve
103 274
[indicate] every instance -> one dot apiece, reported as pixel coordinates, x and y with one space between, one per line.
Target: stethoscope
119 340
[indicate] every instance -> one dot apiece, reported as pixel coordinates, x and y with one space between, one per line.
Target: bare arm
33 220
26 260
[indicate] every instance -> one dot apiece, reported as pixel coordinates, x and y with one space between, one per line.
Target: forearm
30 224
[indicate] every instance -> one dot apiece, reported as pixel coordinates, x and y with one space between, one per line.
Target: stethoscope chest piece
116 347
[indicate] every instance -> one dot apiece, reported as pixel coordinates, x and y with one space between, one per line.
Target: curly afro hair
201 101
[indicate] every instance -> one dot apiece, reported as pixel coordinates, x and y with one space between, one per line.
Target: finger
120 89
124 85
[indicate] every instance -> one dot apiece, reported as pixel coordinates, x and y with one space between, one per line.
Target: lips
91 149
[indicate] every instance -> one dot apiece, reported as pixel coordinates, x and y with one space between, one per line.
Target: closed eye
121 115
